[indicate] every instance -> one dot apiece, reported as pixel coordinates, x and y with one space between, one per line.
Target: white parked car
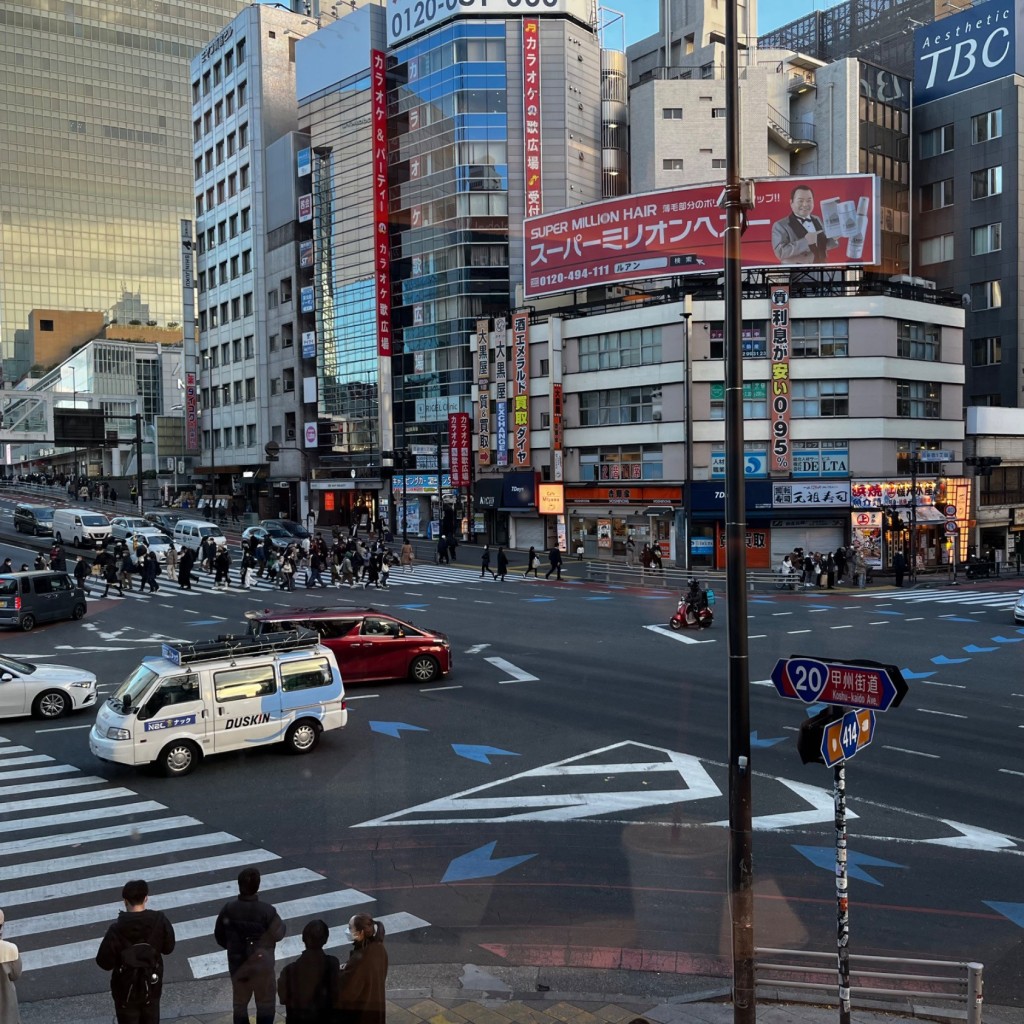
1018 608
156 540
46 691
122 527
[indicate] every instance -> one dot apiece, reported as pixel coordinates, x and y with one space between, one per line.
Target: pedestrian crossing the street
61 874
952 596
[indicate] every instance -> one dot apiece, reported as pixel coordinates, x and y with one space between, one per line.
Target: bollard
975 992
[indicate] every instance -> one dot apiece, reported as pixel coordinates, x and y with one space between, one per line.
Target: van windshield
134 687
208 531
44 515
94 520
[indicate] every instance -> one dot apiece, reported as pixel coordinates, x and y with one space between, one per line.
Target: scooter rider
696 599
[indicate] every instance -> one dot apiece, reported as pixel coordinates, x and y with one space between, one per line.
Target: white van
189 533
233 693
80 527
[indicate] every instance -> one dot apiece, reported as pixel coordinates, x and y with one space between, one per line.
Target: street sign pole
842 894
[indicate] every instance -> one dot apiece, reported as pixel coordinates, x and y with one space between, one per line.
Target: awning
659 510
487 492
926 514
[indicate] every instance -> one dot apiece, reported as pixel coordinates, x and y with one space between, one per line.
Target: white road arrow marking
822 803
518 675
680 636
476 648
972 838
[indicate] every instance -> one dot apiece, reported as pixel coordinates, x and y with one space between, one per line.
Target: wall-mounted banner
500 404
312 435
779 410
755 464
521 388
808 494
483 380
459 448
556 417
306 252
550 499
307 299
379 162
309 344
305 208
191 413
304 162
795 222
436 408
531 118
891 493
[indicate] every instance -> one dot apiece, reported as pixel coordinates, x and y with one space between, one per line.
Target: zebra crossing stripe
32 773
78 886
198 928
209 964
142 807
60 801
14 750
34 787
127 853
68 919
97 835
33 759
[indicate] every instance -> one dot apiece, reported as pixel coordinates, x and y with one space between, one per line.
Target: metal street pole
688 426
138 460
741 869
913 519
842 893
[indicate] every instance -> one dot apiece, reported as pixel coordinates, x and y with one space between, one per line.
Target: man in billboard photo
800 237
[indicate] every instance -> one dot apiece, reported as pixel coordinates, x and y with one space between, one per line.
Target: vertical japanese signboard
781 453
382 242
458 448
483 380
191 413
531 117
521 388
557 468
501 390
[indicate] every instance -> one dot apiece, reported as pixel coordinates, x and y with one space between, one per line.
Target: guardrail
922 982
676 579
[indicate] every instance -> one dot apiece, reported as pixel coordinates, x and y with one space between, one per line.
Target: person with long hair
361 990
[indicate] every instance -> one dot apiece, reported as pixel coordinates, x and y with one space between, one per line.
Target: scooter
694 610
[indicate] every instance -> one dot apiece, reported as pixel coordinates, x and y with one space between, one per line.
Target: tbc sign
865 685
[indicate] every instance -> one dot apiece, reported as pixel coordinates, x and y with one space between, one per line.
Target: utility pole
138 460
686 314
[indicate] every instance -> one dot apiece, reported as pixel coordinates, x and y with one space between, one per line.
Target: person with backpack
133 950
306 987
249 929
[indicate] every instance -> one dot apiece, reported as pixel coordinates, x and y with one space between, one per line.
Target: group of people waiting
825 569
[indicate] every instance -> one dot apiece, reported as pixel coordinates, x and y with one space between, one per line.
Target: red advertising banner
458 448
531 117
781 399
556 417
379 157
814 221
521 388
483 380
191 413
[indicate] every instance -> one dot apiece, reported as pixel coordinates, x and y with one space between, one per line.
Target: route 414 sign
859 684
850 734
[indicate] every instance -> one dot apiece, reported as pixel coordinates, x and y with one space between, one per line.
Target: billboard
379 156
532 133
813 221
407 18
83 427
974 46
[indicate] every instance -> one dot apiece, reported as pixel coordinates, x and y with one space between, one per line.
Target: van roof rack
229 646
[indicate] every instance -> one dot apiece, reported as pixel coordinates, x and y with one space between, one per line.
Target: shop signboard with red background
521 388
191 413
483 379
681 230
382 240
459 448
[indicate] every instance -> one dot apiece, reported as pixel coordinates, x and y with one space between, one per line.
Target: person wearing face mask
361 985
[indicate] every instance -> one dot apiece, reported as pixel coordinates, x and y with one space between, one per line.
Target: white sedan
46 691
1018 608
156 540
122 527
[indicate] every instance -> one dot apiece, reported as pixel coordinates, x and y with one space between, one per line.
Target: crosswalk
949 596
70 838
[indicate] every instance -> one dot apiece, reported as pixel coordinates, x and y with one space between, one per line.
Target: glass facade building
96 133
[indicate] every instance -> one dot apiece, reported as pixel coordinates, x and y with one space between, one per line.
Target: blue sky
642 15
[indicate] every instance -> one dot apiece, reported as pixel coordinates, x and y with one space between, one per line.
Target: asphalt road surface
559 798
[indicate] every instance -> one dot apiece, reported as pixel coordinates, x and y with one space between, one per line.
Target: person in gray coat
10 972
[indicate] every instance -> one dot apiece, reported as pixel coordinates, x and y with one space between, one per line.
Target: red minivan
368 644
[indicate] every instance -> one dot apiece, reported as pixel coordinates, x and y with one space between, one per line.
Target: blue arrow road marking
878 611
413 607
975 649
1014 911
606 597
956 618
1008 639
907 674
825 857
768 741
830 607
537 600
478 864
941 659
481 754
394 728
204 622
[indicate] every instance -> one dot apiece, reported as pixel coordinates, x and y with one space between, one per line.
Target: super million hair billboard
803 222
967 49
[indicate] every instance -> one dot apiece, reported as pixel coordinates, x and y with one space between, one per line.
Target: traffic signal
812 732
983 463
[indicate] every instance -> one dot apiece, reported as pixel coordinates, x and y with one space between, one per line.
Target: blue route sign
860 684
847 736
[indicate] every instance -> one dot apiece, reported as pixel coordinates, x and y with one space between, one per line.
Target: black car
164 521
34 519
293 529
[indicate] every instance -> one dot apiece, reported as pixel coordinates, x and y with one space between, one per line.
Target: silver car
46 691
122 527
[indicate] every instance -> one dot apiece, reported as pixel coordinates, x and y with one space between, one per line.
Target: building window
214 320
206 84
197 129
273 343
755 400
240 52
229 62
241 93
246 219
233 226
286 289
234 268
237 394
229 103
243 177
236 350
986 351
289 379
918 341
231 144
223 272
822 338
718 163
676 164
250 434
199 206
618 406
202 281
209 160
986 238
937 249
220 192
986 126
821 398
247 304
617 349
672 113
218 112
937 195
207 122
220 153
195 91
622 462
232 184
249 346
986 182
937 140
918 399
247 261
250 389
287 336
272 299
236 308
217 73
275 386
222 237
718 111
243 135
986 295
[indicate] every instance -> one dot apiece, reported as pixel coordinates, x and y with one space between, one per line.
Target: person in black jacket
138 936
249 930
306 987
361 990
